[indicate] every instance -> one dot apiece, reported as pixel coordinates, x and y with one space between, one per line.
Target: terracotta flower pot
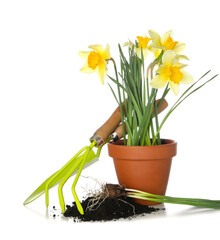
144 168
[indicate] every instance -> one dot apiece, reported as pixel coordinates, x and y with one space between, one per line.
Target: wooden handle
162 106
118 133
119 130
101 134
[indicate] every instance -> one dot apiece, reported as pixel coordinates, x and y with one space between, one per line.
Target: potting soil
108 209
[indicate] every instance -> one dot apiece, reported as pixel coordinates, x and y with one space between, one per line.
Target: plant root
110 202
129 205
106 191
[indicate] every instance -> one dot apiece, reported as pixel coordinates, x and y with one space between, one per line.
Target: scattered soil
108 208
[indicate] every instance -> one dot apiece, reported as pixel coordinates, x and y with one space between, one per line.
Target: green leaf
134 127
181 99
120 103
197 202
113 94
119 84
157 124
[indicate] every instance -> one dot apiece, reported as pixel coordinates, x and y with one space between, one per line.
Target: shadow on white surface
170 211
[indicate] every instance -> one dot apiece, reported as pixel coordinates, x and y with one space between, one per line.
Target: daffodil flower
165 43
142 44
96 60
171 71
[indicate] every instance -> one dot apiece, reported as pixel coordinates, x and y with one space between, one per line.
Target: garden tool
84 158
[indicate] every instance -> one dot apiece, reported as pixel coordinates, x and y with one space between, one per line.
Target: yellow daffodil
170 71
142 44
96 60
165 43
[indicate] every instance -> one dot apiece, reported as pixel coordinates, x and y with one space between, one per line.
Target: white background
48 111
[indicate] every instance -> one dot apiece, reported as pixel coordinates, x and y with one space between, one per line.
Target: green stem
152 128
145 123
156 118
120 102
165 199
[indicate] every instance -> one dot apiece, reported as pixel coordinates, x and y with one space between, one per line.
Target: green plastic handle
41 189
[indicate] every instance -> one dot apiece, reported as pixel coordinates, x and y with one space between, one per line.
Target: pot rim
118 151
169 142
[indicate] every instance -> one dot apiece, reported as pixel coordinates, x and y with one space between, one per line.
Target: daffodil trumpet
141 46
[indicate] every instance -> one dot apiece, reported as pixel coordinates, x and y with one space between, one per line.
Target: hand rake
84 158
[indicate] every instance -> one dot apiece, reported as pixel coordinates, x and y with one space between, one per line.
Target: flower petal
158 82
155 37
169 57
138 52
174 87
182 57
187 78
129 44
87 69
180 65
106 53
84 55
154 50
165 37
179 47
160 69
98 48
156 46
102 71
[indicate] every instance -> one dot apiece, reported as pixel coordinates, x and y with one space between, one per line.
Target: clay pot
144 168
